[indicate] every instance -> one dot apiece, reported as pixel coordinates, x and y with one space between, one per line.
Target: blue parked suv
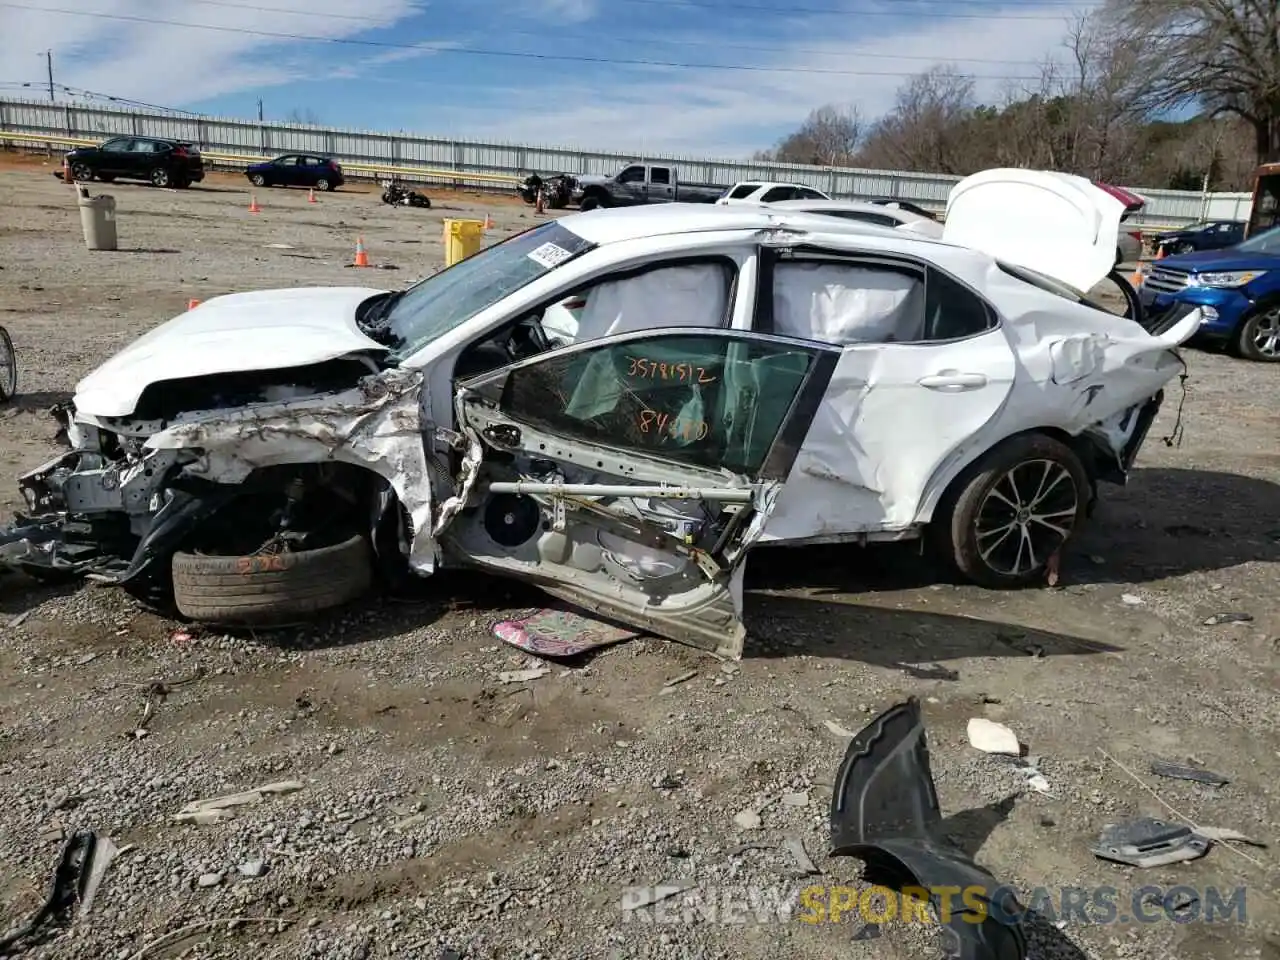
1238 288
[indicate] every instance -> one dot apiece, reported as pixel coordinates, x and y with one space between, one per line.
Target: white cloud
163 63
569 11
725 113
627 108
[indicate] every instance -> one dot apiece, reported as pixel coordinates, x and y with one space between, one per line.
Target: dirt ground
441 809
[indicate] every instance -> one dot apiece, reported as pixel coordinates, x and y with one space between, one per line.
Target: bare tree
1220 55
1109 98
829 137
926 128
305 116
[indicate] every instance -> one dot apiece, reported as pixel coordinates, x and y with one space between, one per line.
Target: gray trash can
98 219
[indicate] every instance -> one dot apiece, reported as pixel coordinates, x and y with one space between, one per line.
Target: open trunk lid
1057 224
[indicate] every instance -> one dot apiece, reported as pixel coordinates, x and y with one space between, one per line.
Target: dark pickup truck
642 183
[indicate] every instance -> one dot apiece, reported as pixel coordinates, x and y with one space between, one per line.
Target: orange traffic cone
488 221
66 170
253 204
362 258
1160 252
311 195
192 303
538 206
1138 276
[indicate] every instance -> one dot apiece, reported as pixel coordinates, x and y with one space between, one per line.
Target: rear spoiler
1133 202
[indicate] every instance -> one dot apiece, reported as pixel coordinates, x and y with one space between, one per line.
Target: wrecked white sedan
617 406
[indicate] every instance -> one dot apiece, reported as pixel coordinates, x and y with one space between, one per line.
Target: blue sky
440 73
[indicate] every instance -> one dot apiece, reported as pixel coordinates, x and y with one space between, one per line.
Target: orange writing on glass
645 368
663 427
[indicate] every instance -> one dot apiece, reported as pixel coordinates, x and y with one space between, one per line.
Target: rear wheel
160 177
1259 336
271 588
1009 513
323 185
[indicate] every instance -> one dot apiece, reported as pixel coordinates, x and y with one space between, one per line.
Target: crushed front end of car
239 465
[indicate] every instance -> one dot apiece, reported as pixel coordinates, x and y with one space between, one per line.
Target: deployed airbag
843 303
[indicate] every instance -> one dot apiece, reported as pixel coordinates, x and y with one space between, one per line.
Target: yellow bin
462 238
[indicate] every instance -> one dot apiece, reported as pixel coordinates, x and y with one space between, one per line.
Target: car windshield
443 301
1266 242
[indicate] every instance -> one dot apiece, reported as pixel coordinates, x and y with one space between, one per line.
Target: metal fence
442 160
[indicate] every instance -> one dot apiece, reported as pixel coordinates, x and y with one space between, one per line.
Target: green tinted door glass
694 399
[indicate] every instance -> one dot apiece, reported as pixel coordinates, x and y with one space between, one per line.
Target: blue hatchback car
1238 288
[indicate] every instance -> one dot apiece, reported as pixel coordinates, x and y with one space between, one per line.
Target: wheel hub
1026 517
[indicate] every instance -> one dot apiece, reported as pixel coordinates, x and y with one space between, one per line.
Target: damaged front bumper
128 492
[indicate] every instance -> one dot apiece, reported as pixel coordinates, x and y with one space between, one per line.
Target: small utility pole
259 109
48 59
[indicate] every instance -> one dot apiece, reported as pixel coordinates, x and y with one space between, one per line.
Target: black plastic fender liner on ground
271 587
884 810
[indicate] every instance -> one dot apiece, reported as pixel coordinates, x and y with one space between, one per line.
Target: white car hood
1057 224
265 330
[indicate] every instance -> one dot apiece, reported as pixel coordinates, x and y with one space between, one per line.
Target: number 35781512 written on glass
648 369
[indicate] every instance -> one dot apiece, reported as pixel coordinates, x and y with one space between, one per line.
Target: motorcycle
398 195
557 190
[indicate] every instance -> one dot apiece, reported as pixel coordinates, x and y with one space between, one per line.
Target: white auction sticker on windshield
549 255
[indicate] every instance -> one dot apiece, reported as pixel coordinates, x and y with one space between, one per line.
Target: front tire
590 203
1259 336
258 180
81 172
277 588
1012 510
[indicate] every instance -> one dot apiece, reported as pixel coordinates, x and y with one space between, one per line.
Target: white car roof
616 224
1056 224
761 184
851 206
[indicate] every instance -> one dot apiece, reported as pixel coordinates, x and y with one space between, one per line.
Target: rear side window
778 194
742 190
952 310
806 194
659 175
848 302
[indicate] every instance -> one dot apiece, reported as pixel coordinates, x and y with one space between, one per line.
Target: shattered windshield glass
409 320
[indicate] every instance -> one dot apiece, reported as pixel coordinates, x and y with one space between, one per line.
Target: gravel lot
442 808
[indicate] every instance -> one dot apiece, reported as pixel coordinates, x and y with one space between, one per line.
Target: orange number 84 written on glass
680 372
664 425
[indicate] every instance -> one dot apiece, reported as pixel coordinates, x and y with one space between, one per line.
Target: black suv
166 163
